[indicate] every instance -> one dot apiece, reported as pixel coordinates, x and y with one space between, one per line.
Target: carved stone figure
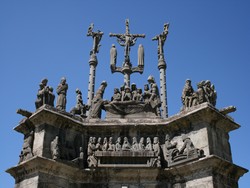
135 146
113 56
92 161
55 148
127 94
154 99
161 38
133 91
141 146
98 144
139 96
149 146
51 97
118 146
187 94
199 96
111 146
98 102
205 93
105 144
27 150
44 95
117 95
146 94
97 36
62 93
122 91
170 150
187 145
213 97
140 56
126 145
157 150
80 108
126 40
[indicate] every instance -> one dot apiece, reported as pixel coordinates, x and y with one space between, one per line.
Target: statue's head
63 80
133 86
44 81
167 137
151 79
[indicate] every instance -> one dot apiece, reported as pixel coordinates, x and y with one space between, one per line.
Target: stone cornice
210 164
200 113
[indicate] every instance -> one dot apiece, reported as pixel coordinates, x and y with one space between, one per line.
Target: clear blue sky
207 40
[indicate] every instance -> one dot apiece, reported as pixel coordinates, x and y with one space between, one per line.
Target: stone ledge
200 113
211 163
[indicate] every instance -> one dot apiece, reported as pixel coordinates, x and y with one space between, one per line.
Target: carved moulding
126 159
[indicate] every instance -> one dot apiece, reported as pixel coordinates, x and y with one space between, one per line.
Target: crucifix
127 40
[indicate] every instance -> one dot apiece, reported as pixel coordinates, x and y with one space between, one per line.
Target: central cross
127 40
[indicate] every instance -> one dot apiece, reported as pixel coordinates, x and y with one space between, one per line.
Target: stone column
163 87
91 87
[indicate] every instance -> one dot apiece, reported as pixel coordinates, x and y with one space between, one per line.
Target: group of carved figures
45 94
149 96
108 145
205 93
169 150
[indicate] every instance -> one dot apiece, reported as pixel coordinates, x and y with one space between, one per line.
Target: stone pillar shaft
163 87
91 85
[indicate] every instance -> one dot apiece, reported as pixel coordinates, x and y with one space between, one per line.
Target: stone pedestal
204 125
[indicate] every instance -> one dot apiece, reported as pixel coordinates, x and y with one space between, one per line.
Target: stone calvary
137 144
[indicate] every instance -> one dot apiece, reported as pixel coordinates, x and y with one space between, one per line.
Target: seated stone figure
126 145
80 108
117 95
127 94
169 149
44 95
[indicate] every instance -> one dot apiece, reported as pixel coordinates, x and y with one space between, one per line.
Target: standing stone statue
98 144
92 161
156 148
113 56
98 102
62 92
154 100
27 150
80 108
187 94
55 148
140 56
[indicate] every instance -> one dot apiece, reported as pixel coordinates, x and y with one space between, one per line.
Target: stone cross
127 40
